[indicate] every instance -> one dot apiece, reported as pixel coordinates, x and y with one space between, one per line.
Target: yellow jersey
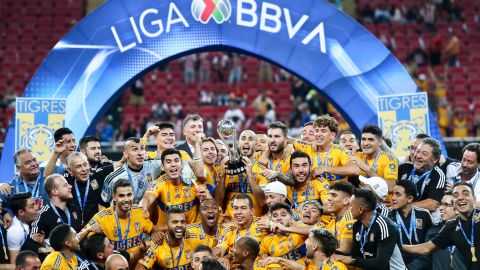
211 176
342 229
279 165
326 265
132 229
231 234
196 231
237 184
167 257
316 189
290 247
172 196
386 166
334 157
157 155
56 261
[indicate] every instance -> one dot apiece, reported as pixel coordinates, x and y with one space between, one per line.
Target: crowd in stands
272 202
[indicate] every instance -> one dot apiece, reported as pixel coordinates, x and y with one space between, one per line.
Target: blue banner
124 39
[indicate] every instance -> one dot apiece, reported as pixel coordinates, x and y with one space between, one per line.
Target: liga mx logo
35 122
204 10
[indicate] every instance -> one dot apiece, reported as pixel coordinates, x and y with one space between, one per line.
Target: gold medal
472 250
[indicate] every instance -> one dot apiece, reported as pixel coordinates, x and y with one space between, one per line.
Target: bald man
116 262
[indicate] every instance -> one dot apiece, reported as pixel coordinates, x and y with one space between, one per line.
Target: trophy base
236 167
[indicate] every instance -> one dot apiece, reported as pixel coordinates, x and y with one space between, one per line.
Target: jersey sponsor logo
127 243
187 206
296 254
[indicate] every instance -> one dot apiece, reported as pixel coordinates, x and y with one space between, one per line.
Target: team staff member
306 187
58 211
379 186
137 170
282 243
27 260
461 232
428 177
66 245
87 188
25 210
375 242
192 125
329 160
172 192
342 221
468 169
245 225
208 231
30 179
449 258
372 161
413 223
124 224
176 250
249 183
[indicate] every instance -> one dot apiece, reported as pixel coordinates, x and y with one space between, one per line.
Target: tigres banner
36 121
402 117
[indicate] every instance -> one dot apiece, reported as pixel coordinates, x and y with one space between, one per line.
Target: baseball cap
276 187
378 185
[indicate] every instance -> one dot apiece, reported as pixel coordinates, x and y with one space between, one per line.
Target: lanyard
36 188
421 178
295 195
25 232
93 265
324 163
3 244
412 228
474 181
469 240
79 261
204 235
374 164
277 168
67 213
85 196
243 184
119 228
171 252
363 237
246 234
140 180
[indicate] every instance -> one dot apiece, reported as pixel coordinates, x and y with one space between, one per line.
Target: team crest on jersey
115 233
476 217
167 261
419 223
357 236
94 184
372 237
137 227
188 254
187 194
349 226
74 214
149 177
290 243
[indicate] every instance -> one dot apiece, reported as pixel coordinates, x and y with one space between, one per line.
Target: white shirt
16 234
454 171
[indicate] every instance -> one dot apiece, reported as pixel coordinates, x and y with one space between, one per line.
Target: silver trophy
227 131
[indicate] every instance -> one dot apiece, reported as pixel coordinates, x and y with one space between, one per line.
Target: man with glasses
449 258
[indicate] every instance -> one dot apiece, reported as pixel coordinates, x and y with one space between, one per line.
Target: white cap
378 185
276 187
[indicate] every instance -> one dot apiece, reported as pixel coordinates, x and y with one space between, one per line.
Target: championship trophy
227 131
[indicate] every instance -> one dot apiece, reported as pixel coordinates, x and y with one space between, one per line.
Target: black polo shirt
94 193
382 246
452 235
423 223
434 184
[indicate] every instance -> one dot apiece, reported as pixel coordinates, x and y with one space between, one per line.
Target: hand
360 163
248 163
202 193
5 189
95 228
270 174
145 245
157 237
263 224
226 220
7 220
146 214
225 262
60 147
270 260
276 227
319 171
287 152
198 137
152 131
45 250
217 252
448 186
39 237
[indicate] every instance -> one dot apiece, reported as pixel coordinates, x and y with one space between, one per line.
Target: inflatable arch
124 39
